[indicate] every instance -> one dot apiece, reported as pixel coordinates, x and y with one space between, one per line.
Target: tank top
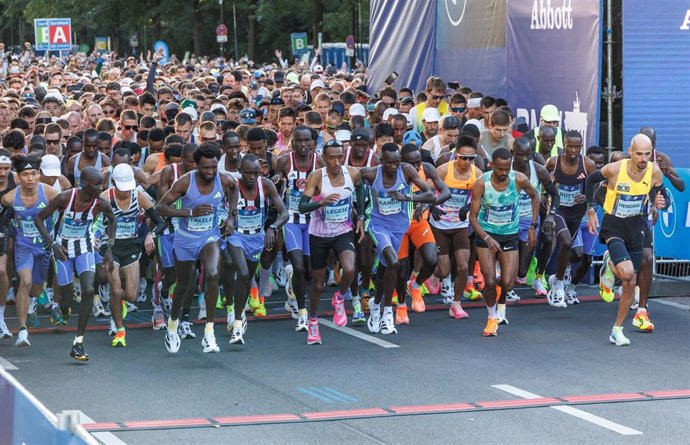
11 185
498 213
629 199
199 227
75 231
173 222
569 186
77 171
460 196
350 162
490 147
27 233
294 187
334 219
386 211
251 212
525 201
222 169
128 221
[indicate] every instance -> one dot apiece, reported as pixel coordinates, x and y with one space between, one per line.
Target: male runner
7 184
90 156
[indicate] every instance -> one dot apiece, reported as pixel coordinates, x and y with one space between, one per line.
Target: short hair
14 139
256 134
189 147
129 114
105 136
147 122
406 90
501 153
156 134
248 158
572 134
173 150
408 148
183 118
313 118
122 151
105 124
435 83
172 139
595 150
487 102
207 126
499 117
465 140
229 135
147 98
388 92
390 147
91 133
53 128
347 98
207 150
457 98
384 129
287 112
71 141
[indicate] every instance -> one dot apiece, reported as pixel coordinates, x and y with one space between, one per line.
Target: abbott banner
672 229
553 53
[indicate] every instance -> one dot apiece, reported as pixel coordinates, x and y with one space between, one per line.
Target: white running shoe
4 332
501 312
209 343
172 341
23 338
571 294
243 319
512 297
567 278
374 321
77 291
288 283
556 294
291 307
112 330
131 307
448 299
237 335
539 289
104 293
331 278
166 305
202 307
10 294
184 330
387 323
230 319
50 295
447 288
281 276
142 291
302 322
99 309
636 299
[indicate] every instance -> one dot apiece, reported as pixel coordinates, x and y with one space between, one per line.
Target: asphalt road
438 360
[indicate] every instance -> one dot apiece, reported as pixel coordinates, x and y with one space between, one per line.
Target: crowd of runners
128 180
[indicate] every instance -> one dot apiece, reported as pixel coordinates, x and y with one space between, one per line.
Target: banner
471 44
102 44
402 40
53 34
656 84
299 43
553 56
672 229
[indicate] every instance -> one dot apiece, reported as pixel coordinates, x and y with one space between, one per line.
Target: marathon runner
7 184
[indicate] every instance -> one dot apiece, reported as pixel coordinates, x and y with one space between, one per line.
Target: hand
317 51
229 226
399 196
359 228
655 215
580 198
544 204
330 199
659 201
203 209
60 252
532 237
108 260
462 213
149 245
278 53
276 179
436 213
264 166
592 222
419 212
494 247
549 225
269 239
158 56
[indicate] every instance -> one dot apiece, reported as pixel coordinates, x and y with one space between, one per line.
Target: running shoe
559 293
478 277
289 290
448 300
434 285
125 310
636 299
260 312
158 320
331 278
471 293
447 287
416 294
237 335
104 293
302 321
99 308
364 292
131 307
512 297
387 324
77 291
291 308
395 300
606 280
339 315
521 281
172 341
243 319
32 320
120 339
491 329
112 329
567 278
166 304
281 276
531 272
10 295
313 334
456 311
184 330
501 312
202 307
209 343
365 304
401 316
551 294
42 300
617 337
539 287
230 317
374 321
78 353
253 300
220 303
4 332
641 321
358 316
22 338
56 316
571 295
141 298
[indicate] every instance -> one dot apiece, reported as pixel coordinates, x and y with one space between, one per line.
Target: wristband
190 213
534 225
486 237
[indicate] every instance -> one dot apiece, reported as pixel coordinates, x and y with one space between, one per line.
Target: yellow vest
629 198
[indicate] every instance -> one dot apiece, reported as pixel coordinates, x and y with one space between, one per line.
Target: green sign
299 43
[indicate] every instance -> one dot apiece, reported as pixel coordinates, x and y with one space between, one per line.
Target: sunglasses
466 157
389 104
52 141
220 123
109 111
131 127
435 97
44 120
458 109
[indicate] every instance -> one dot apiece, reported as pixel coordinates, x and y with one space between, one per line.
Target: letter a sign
53 34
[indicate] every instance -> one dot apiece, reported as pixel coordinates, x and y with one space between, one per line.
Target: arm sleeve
555 197
591 182
660 189
306 205
360 191
151 77
155 217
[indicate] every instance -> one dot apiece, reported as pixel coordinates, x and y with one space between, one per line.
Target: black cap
450 122
359 134
277 101
406 101
470 129
279 76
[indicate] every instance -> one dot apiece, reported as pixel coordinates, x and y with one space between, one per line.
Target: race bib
200 223
338 212
126 228
629 205
293 200
457 200
29 229
249 220
222 214
388 205
525 206
568 193
499 215
72 229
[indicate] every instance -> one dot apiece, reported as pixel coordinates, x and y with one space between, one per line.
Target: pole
234 31
221 22
609 78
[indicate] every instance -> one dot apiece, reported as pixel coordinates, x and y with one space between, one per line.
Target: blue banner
656 51
672 229
161 44
553 52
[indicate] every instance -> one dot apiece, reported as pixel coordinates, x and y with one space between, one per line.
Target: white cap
126 89
358 110
431 115
474 122
215 107
123 177
191 112
50 165
126 81
474 102
388 113
409 119
318 69
343 135
318 83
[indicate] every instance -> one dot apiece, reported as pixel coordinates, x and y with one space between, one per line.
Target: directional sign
299 43
53 34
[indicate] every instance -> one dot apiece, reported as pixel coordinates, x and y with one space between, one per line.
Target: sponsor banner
672 229
53 34
553 54
656 51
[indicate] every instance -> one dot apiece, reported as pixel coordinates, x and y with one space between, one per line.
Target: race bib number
200 223
293 200
568 193
249 220
338 212
388 205
499 215
29 229
629 205
72 229
457 200
525 207
126 228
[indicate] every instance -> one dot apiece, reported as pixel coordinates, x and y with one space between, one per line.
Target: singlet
200 227
498 213
386 211
436 152
11 185
349 162
525 200
128 221
75 231
173 222
569 186
222 169
629 199
294 187
27 232
77 171
489 147
460 196
334 219
251 212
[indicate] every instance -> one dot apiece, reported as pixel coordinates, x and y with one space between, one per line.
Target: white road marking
358 334
670 303
7 366
103 437
600 421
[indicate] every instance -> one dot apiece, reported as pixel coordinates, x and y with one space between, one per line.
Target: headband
27 165
5 160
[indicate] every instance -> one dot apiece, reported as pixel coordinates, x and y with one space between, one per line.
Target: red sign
221 30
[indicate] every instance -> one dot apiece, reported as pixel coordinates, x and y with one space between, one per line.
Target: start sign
53 34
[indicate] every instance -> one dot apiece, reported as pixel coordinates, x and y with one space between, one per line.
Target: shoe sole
490 334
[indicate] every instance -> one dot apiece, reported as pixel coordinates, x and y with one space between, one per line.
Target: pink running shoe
434 285
521 281
313 334
339 315
456 311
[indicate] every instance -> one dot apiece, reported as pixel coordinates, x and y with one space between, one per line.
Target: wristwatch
273 226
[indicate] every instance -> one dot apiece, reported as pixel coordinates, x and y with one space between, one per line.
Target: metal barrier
672 269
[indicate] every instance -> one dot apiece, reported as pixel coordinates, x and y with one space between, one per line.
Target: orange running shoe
254 302
491 329
401 315
478 277
416 294
395 297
